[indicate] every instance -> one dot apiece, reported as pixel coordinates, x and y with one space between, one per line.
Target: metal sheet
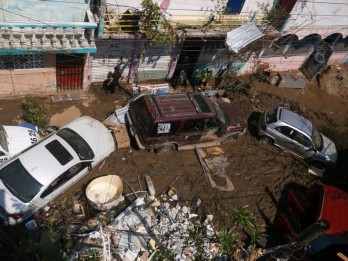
242 36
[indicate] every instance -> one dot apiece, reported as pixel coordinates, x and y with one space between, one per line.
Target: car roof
295 120
42 165
181 105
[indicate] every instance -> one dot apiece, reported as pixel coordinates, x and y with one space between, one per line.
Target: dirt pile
334 80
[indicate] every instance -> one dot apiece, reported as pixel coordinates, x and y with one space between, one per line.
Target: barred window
29 61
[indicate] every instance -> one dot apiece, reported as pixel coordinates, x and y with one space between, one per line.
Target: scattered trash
31 225
150 186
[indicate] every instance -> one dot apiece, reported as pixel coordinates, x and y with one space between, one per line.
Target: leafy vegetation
35 111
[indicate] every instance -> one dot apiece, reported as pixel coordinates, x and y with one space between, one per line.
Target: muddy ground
258 171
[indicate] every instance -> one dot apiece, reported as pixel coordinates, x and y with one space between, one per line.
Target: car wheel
266 140
318 164
165 148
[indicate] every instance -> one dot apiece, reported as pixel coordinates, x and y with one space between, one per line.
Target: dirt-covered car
183 121
45 170
14 139
294 133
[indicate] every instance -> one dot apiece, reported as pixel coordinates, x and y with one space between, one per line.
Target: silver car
45 170
294 133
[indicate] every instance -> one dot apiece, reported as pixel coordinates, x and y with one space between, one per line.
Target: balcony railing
22 38
115 23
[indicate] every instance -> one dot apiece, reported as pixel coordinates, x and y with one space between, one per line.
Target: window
211 124
59 152
79 145
28 61
62 179
271 115
194 125
302 139
19 181
287 131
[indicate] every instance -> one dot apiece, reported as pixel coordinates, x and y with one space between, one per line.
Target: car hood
235 117
97 135
19 138
329 149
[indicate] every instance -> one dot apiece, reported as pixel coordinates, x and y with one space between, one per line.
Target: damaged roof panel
242 36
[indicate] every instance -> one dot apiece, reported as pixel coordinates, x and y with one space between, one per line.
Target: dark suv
183 121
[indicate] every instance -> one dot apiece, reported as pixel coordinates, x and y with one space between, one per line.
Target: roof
242 36
296 121
335 209
178 105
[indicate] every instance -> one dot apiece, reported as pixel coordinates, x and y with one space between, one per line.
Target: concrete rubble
148 225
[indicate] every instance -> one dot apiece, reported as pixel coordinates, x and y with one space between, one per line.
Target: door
282 10
234 6
69 70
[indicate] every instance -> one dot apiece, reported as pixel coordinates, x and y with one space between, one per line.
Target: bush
35 111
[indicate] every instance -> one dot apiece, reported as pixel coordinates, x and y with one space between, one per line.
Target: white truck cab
14 139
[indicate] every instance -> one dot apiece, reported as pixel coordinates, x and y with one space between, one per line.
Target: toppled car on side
45 170
14 139
183 121
296 134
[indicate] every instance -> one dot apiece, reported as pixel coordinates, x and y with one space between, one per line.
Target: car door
292 140
192 131
63 182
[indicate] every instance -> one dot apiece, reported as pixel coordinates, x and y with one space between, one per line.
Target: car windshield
3 140
220 111
80 146
271 115
317 139
141 117
19 182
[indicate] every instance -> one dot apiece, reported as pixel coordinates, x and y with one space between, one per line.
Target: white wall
308 16
198 7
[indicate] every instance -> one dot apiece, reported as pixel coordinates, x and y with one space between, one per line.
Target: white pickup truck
15 139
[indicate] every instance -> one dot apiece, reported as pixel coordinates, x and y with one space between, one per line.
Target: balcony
128 23
22 38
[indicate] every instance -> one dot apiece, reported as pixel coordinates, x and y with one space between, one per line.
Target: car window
271 115
211 124
80 146
194 125
59 152
219 111
302 139
62 179
3 140
317 139
2 153
141 117
287 131
19 182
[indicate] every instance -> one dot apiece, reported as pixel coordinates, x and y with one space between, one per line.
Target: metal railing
129 23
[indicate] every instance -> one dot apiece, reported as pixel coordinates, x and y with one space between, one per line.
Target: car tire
165 148
266 140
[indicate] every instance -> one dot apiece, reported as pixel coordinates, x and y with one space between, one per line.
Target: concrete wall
33 81
41 81
34 11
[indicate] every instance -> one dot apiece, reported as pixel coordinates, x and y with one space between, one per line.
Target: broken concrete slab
65 117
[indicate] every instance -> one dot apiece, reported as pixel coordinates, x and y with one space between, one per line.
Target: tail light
15 215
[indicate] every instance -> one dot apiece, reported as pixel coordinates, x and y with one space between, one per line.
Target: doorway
69 71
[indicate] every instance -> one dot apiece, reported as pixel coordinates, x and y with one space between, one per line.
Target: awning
242 36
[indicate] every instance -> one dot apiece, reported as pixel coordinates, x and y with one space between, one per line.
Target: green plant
91 255
196 236
227 238
35 111
242 217
256 235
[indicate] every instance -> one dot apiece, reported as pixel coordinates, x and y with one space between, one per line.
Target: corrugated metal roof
242 36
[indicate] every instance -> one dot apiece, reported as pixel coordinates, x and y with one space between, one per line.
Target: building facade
45 46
